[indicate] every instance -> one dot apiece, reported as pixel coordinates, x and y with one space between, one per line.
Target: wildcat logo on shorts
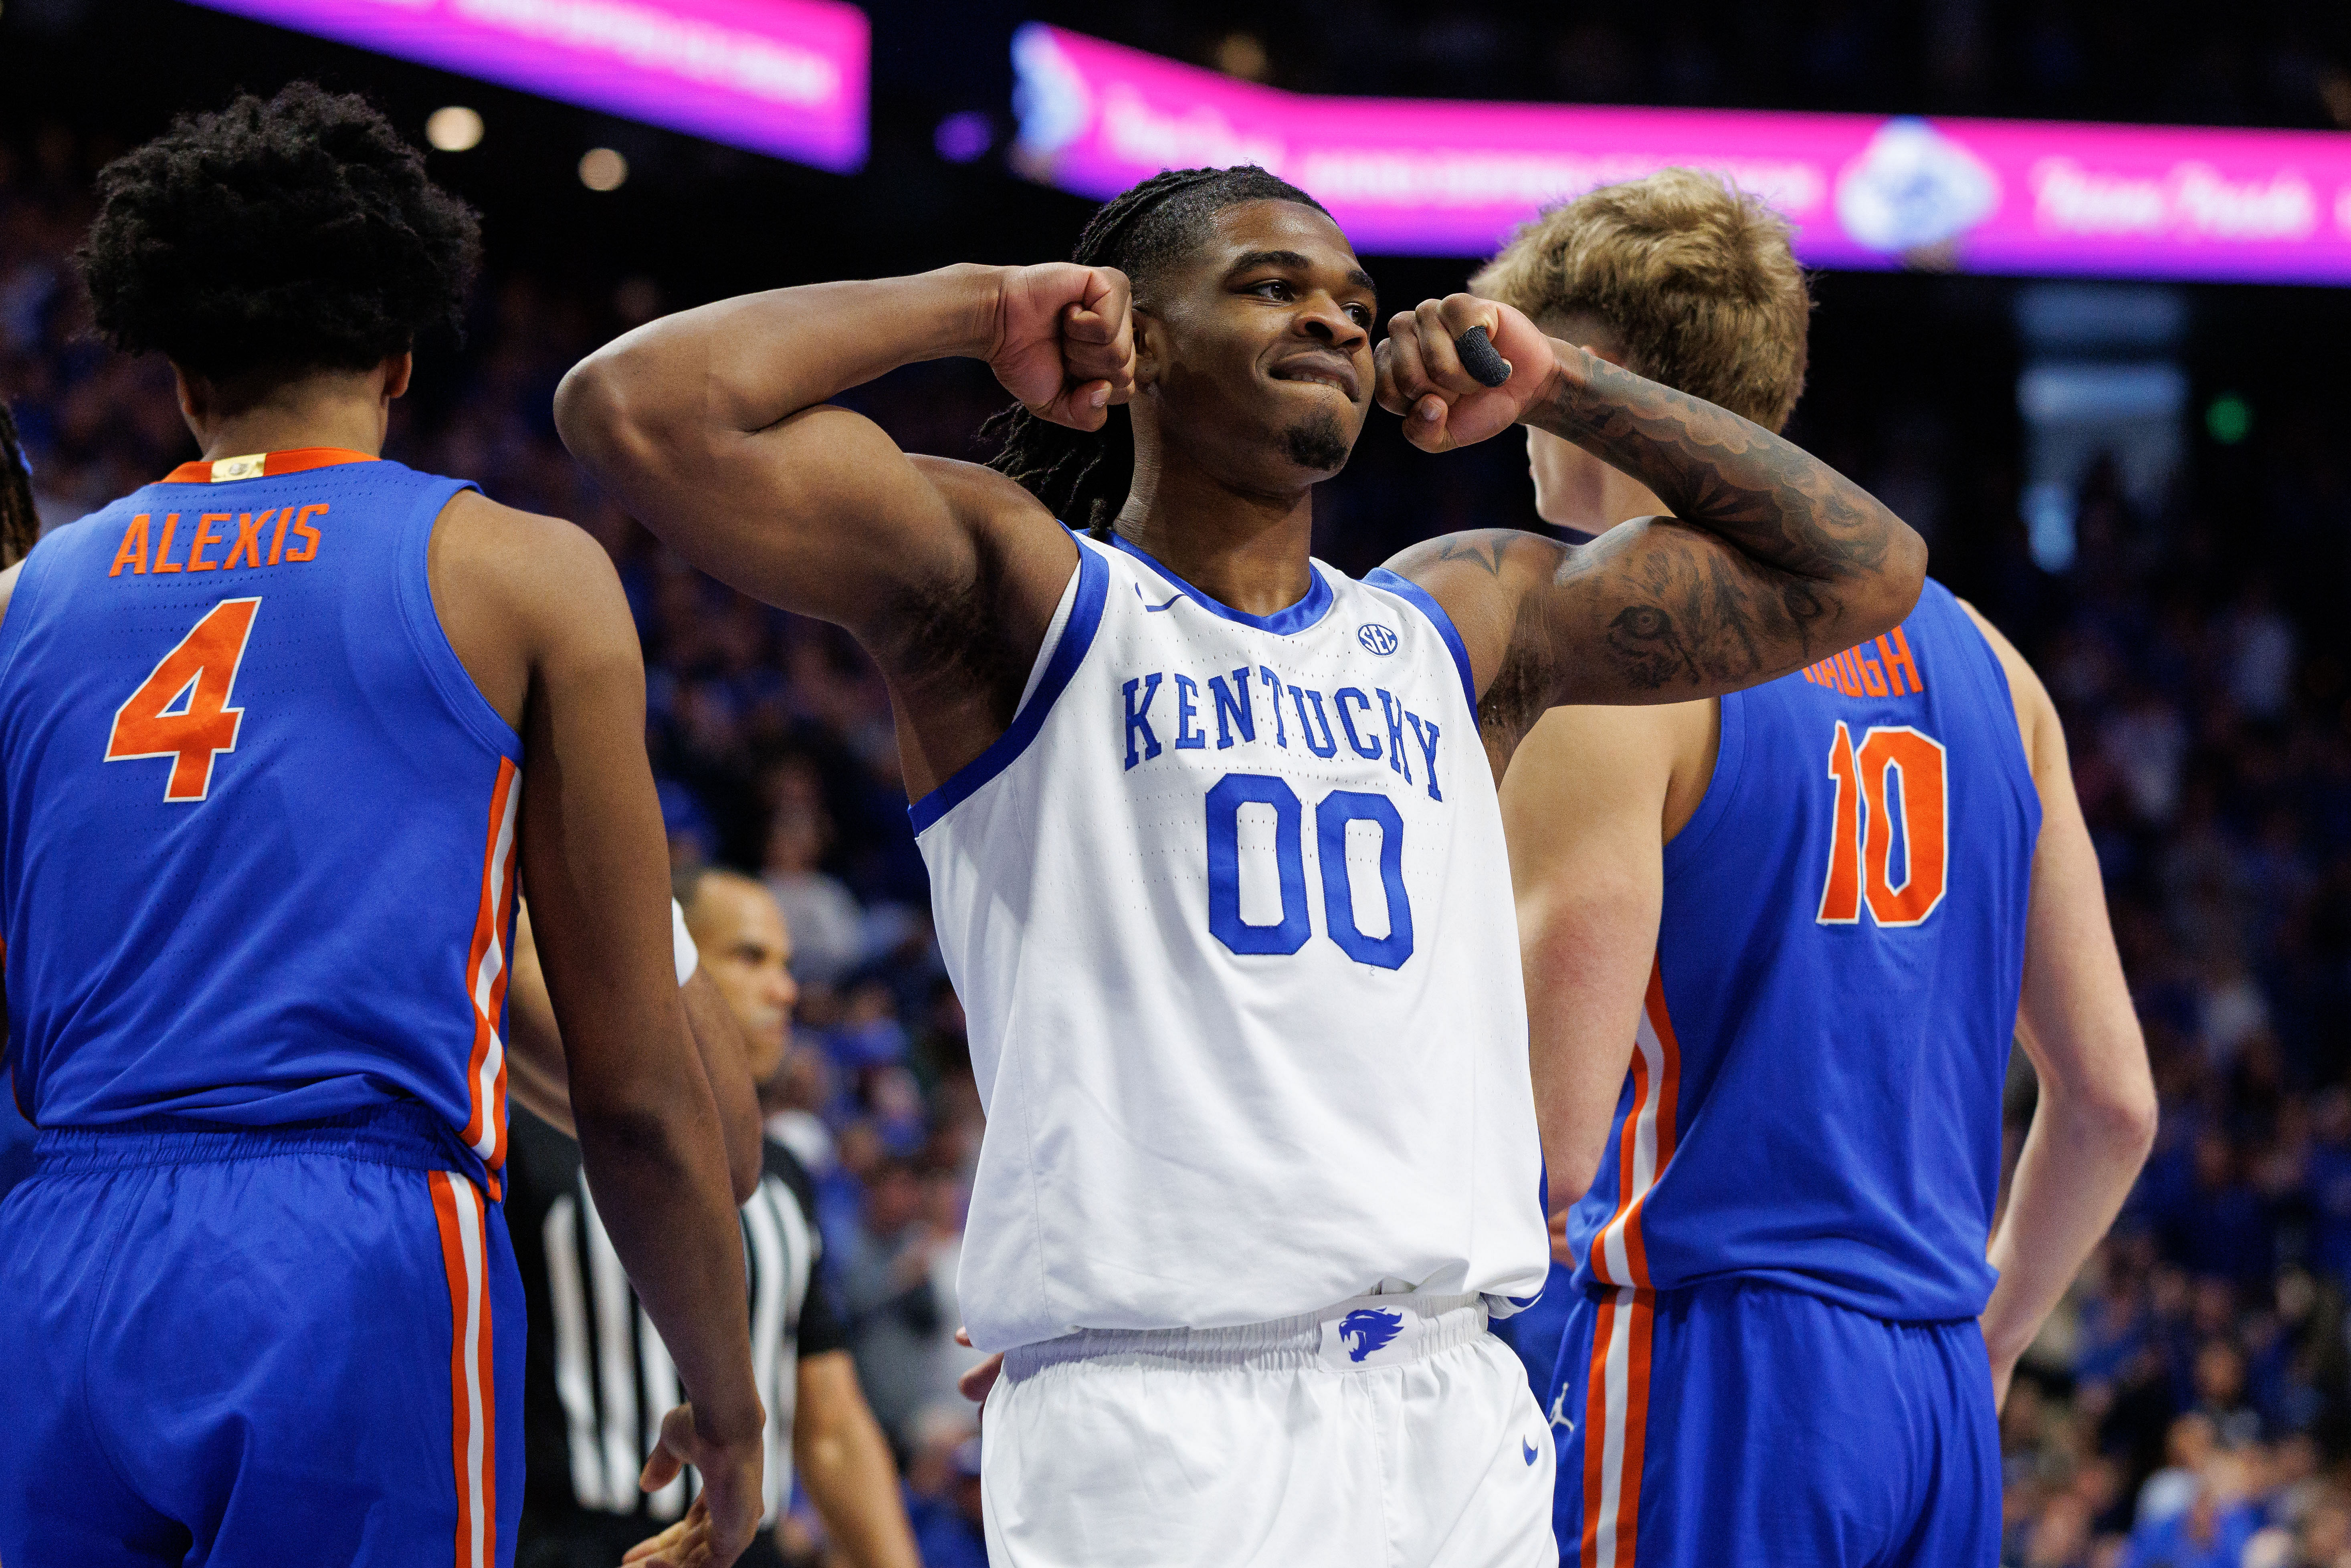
1377 637
1368 1329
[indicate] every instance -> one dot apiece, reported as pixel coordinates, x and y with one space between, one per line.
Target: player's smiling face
1254 355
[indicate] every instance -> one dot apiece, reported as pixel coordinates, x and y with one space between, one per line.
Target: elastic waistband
1361 1333
403 1133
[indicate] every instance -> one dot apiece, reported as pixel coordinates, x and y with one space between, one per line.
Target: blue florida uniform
1772 1354
256 866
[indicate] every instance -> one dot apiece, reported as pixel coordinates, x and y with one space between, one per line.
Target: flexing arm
2095 1119
597 876
535 1075
1582 808
1770 561
712 425
844 1461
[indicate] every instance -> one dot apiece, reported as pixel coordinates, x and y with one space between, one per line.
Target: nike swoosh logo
1155 609
1530 1451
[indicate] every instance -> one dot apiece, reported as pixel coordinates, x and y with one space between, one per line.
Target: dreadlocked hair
19 527
1084 475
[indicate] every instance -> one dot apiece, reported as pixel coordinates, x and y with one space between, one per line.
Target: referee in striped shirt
598 1378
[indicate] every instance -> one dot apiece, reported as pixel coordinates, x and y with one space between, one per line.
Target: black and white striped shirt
599 1378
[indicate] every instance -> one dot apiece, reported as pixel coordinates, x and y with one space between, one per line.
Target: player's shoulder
539 565
993 506
2036 714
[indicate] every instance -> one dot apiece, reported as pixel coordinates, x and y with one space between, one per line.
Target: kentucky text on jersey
1373 725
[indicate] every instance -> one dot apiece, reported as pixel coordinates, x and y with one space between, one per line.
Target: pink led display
1443 178
786 77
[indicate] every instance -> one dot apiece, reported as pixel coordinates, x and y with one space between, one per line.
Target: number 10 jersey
1230 914
1814 1095
259 828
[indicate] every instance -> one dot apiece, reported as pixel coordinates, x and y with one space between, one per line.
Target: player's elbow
1889 589
2131 1116
2115 1111
1569 1177
607 418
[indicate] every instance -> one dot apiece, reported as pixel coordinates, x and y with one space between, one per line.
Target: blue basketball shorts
1734 1423
259 1346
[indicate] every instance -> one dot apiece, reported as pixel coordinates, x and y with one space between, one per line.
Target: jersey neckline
264 464
1303 616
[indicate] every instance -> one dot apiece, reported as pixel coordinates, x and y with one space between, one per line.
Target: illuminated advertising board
784 76
1431 177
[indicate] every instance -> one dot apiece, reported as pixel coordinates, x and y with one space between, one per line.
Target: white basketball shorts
1384 1432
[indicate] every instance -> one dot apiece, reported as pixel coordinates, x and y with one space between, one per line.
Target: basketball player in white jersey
1215 858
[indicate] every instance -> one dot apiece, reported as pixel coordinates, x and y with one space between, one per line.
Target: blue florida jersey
1815 1095
260 840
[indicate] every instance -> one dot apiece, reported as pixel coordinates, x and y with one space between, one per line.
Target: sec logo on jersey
1377 637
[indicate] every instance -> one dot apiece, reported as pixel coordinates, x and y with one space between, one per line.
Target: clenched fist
1063 341
1422 376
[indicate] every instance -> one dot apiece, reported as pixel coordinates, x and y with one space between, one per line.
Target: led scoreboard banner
1415 176
784 76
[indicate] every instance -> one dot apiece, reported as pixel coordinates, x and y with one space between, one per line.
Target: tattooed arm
1772 559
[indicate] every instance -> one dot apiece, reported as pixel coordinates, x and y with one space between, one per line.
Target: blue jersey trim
1077 637
1420 598
1303 616
428 636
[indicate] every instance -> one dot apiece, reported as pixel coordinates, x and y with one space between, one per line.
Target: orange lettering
1898 659
1848 679
310 535
1841 893
133 553
248 539
162 550
1926 843
204 666
1873 678
204 536
277 541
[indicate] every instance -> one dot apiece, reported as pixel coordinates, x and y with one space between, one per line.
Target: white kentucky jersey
1229 912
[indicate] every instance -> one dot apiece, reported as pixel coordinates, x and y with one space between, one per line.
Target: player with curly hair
275 732
1215 856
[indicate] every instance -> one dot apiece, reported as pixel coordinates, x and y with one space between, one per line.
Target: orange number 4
202 669
1861 839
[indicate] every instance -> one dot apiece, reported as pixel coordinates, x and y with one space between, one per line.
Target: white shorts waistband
1362 1332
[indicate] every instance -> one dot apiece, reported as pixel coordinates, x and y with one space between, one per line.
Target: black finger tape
1480 358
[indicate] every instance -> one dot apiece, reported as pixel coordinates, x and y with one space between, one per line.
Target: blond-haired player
1776 944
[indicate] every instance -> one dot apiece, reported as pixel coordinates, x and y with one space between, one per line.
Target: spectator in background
821 910
897 1325
947 1524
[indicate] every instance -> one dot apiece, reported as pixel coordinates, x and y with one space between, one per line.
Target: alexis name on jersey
245 544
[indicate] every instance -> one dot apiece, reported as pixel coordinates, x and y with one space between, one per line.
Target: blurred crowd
2190 1404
